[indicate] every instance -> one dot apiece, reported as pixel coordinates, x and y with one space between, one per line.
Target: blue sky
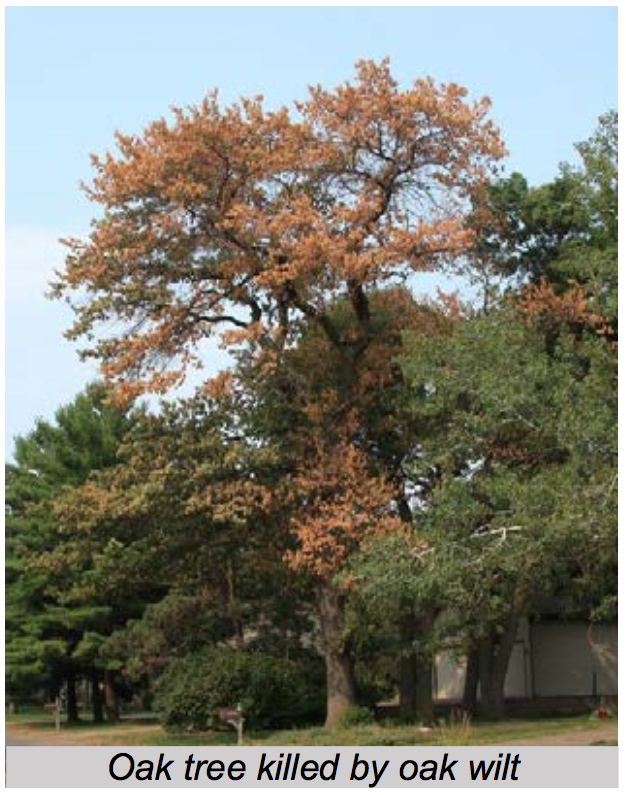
75 75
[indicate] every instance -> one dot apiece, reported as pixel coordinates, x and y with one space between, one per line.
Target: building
553 661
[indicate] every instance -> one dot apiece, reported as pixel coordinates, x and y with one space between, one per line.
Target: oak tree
242 222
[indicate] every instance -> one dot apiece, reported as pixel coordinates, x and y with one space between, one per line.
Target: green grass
36 719
146 732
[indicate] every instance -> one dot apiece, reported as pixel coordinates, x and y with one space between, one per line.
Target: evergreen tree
51 638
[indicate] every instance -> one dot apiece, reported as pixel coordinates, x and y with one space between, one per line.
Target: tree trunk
111 701
408 685
408 661
340 691
494 657
71 703
425 622
96 697
424 701
234 611
470 687
416 669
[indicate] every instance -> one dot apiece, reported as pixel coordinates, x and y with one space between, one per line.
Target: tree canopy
51 636
369 464
245 218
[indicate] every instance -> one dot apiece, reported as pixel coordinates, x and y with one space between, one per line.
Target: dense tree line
371 463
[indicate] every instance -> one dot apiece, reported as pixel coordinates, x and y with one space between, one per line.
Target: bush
355 716
273 692
375 680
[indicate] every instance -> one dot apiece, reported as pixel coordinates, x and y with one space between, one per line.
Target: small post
239 725
233 717
57 714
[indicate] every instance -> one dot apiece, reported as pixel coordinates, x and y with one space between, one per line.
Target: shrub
374 680
273 692
355 716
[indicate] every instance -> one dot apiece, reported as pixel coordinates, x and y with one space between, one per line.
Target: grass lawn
148 732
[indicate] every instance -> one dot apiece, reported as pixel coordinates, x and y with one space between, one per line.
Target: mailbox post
57 713
233 717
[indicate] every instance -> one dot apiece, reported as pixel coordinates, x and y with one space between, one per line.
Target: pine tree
53 639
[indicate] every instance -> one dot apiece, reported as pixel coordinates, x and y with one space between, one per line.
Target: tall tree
515 425
545 234
49 637
244 221
188 512
345 446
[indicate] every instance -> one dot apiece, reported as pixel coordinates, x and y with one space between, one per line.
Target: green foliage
549 232
517 433
84 437
173 627
515 420
272 692
49 635
354 716
496 429
183 518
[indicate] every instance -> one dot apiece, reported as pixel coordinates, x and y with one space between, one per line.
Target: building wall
548 659
518 682
574 659
448 678
449 673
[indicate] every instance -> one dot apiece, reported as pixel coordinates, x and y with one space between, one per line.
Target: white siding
548 659
449 676
516 684
574 659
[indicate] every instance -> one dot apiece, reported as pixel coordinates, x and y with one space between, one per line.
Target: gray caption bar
373 767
